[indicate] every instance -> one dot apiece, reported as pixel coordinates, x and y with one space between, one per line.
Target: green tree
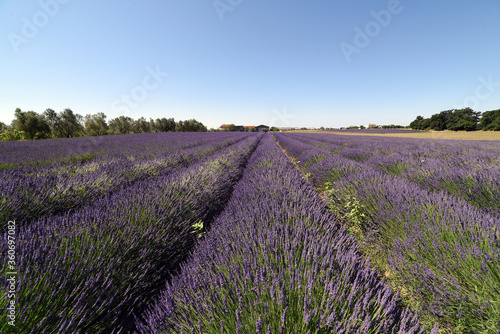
392 126
32 124
490 120
53 120
273 128
152 125
121 125
64 124
463 119
71 123
141 125
421 123
3 127
438 121
95 125
165 125
191 125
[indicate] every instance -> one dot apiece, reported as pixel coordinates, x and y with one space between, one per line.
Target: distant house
372 126
226 127
262 128
249 128
239 128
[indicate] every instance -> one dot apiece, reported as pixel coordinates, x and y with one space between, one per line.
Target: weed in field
198 229
348 208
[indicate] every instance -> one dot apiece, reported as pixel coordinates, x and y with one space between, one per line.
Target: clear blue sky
283 63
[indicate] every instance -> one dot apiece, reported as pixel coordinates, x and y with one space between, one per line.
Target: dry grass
457 135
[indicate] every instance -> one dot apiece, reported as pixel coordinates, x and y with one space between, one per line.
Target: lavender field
250 233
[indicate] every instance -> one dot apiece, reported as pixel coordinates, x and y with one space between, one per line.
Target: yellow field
459 135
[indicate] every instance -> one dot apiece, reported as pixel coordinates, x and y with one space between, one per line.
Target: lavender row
467 169
443 251
139 147
49 191
63 150
276 262
89 270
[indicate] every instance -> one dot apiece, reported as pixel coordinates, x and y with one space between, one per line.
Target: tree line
65 124
459 120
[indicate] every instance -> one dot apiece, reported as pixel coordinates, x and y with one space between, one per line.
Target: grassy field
457 135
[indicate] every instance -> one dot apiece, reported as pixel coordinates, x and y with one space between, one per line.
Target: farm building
239 128
262 128
249 128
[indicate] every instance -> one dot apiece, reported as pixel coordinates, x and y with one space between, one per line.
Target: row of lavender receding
89 270
31 192
80 149
440 250
467 169
275 261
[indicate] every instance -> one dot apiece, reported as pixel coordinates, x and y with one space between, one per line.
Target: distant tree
64 124
141 125
392 126
420 123
152 125
490 120
3 127
456 119
95 125
121 125
32 124
165 125
273 128
53 120
362 127
463 119
71 123
438 121
191 125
